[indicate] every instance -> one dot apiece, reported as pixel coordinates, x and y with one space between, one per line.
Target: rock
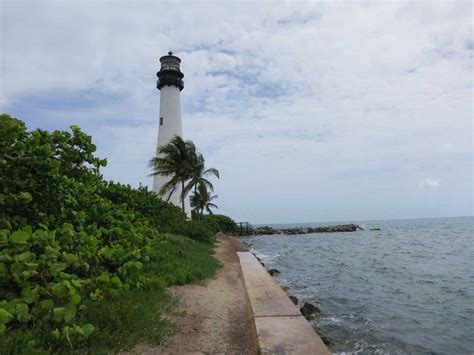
309 310
293 231
273 272
325 340
293 299
374 229
259 260
323 336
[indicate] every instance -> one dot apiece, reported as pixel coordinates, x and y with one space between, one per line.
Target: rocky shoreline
306 230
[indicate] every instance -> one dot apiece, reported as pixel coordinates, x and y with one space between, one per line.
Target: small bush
220 223
197 230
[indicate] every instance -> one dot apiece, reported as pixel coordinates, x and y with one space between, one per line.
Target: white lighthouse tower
170 83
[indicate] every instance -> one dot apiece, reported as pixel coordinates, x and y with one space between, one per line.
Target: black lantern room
170 72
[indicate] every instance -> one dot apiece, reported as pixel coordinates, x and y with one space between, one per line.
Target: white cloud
430 183
331 108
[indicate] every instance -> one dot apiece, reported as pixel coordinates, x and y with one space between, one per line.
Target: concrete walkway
280 327
242 310
217 319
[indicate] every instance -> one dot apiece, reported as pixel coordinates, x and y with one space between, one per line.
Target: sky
311 111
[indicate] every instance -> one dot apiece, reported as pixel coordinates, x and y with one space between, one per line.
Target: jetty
341 228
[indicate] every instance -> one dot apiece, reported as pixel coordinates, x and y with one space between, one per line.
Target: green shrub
69 239
163 215
220 223
198 231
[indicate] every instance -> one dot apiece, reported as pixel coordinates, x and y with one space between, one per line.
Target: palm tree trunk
182 195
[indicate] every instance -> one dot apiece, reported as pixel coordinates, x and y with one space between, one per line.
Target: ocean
405 289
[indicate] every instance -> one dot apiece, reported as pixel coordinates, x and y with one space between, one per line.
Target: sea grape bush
67 236
47 274
220 223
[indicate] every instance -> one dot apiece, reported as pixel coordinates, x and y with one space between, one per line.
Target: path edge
277 324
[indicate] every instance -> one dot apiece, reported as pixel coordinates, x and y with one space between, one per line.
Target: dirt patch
217 319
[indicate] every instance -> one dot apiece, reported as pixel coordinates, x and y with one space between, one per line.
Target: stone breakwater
308 230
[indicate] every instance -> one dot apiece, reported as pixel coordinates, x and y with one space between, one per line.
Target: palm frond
186 166
211 171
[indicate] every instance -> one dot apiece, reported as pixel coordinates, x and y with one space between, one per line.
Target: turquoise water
406 289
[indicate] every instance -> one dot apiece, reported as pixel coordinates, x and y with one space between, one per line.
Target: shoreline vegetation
85 263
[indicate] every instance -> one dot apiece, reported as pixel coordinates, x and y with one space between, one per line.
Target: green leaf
56 334
67 229
32 266
3 238
88 329
116 281
70 313
59 290
29 295
56 268
46 305
22 312
19 237
25 197
16 268
58 314
70 258
103 278
26 257
75 298
79 330
5 316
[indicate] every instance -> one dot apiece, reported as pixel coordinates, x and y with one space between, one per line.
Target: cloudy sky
311 111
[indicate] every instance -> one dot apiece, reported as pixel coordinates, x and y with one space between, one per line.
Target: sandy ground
216 320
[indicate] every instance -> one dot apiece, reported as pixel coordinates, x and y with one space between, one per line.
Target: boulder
309 310
326 340
259 260
273 272
294 299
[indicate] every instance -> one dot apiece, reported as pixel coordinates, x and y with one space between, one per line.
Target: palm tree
201 200
177 159
200 174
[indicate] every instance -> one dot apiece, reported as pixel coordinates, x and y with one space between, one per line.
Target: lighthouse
170 83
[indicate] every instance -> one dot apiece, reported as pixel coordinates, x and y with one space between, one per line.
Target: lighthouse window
161 121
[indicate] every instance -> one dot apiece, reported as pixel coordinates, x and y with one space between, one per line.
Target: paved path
217 319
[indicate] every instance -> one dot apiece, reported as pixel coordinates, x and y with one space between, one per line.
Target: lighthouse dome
170 72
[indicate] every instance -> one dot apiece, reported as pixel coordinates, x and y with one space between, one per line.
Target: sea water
406 289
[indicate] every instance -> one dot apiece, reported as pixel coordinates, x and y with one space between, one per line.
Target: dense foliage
69 238
220 223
